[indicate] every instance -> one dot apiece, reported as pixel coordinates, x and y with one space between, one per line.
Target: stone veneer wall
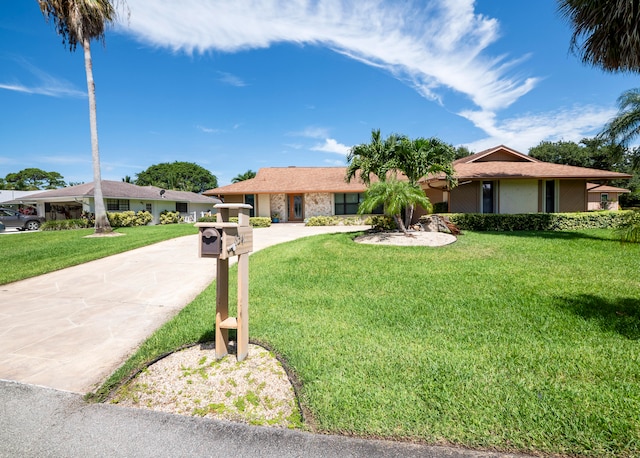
318 204
278 204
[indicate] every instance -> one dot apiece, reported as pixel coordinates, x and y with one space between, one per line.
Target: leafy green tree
394 195
625 126
80 21
33 178
593 153
249 174
180 176
460 152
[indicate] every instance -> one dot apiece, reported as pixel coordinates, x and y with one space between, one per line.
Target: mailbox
210 242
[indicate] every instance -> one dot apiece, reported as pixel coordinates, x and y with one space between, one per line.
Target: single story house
295 193
72 201
498 180
502 180
603 197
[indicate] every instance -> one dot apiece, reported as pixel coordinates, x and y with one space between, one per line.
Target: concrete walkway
70 329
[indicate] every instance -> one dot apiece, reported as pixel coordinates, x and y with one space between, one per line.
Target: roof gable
497 154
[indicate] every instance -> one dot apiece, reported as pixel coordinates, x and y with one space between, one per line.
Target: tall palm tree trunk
102 222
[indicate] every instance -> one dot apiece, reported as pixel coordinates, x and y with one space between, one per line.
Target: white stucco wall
264 206
518 196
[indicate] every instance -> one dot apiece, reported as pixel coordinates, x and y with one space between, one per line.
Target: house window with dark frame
550 196
181 207
148 207
117 205
488 197
347 203
250 199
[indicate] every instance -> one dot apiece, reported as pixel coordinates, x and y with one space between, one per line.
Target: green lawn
34 253
512 341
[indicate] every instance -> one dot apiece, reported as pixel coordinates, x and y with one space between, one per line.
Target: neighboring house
498 180
296 193
72 201
502 180
603 197
10 195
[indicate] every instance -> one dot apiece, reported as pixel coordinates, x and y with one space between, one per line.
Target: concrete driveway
70 329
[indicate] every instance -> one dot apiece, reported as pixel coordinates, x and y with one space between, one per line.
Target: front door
295 207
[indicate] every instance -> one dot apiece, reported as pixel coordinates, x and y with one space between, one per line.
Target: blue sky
238 85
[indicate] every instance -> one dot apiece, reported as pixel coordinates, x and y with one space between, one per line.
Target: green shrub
539 221
441 207
66 224
254 221
129 218
334 221
167 217
381 223
323 221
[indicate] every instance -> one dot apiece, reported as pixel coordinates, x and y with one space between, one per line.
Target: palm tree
625 126
244 176
373 158
606 33
395 196
80 21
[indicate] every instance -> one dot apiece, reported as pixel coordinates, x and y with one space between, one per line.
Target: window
347 203
550 196
604 197
117 205
487 197
147 207
250 199
181 207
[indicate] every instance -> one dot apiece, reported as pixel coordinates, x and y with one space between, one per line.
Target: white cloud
332 146
311 132
435 45
524 132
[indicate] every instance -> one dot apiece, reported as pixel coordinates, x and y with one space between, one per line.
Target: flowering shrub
167 217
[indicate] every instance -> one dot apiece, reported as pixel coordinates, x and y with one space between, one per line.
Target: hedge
540 221
334 221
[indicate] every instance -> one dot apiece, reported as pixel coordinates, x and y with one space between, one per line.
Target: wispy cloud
524 132
231 80
207 130
311 132
435 46
44 84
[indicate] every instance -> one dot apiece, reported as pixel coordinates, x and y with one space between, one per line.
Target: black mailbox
211 242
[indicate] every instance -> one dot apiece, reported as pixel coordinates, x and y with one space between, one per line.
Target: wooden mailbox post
222 240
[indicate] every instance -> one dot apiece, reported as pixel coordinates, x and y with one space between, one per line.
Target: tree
399 154
625 126
394 195
606 33
611 33
249 174
595 153
33 178
180 176
80 21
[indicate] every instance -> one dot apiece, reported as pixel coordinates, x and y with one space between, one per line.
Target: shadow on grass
558 235
620 315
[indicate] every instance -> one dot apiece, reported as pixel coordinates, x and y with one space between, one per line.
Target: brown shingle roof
273 180
122 190
595 187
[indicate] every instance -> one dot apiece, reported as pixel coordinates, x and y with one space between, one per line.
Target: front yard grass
36 253
504 341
